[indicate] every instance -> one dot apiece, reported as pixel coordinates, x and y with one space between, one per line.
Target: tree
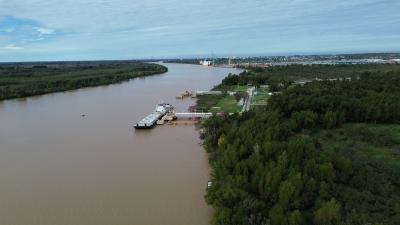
304 119
330 119
286 190
328 213
295 218
278 216
221 140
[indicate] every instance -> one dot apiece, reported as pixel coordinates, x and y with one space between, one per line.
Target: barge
150 120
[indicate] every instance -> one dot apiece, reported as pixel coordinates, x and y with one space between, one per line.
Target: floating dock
150 120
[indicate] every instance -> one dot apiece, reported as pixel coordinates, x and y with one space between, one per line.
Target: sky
51 30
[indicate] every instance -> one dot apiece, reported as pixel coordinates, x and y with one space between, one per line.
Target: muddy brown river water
59 168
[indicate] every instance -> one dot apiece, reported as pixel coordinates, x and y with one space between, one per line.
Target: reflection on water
57 167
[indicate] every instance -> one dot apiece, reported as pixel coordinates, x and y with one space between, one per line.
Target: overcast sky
127 29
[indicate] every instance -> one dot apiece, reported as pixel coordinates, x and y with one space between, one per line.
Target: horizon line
203 56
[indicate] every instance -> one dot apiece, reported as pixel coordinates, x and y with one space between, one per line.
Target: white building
205 63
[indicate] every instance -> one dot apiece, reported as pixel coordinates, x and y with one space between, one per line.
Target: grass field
227 103
221 103
260 97
217 103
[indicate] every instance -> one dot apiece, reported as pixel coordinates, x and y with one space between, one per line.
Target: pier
150 120
165 114
192 115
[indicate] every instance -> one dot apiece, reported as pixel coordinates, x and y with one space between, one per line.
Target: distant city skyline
40 30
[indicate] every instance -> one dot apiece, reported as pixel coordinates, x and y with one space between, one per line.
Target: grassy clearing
207 102
228 104
260 97
217 103
240 88
221 103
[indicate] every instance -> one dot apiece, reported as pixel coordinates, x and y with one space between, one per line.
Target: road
247 102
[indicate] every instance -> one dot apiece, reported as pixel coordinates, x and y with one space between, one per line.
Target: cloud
44 31
98 29
152 29
7 30
16 32
13 47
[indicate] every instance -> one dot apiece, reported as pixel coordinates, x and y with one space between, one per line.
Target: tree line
27 80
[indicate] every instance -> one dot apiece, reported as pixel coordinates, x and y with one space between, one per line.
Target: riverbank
29 79
322 151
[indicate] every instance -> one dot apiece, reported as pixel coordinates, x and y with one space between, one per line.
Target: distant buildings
205 63
266 61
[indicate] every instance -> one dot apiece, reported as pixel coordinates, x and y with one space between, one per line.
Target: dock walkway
192 115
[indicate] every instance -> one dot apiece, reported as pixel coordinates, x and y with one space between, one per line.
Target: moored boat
150 120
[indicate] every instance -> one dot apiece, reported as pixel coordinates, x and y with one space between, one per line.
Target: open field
228 103
221 103
217 103
260 97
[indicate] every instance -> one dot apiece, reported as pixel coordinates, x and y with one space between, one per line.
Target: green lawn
220 103
260 97
240 88
229 104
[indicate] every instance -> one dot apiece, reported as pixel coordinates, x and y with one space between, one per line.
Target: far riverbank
19 80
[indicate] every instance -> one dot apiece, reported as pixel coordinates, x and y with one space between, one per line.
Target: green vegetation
296 72
205 103
229 104
21 80
218 103
222 103
365 142
260 97
281 77
325 153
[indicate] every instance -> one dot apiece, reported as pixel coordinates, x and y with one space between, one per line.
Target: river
57 167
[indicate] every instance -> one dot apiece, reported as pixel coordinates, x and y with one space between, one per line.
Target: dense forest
280 77
22 80
325 153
